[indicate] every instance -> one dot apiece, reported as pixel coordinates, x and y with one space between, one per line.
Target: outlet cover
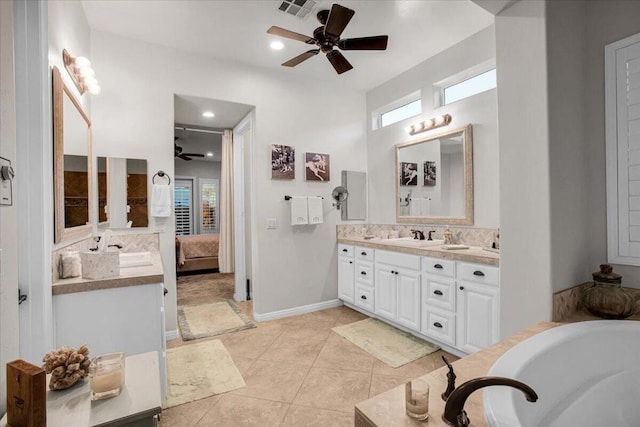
272 223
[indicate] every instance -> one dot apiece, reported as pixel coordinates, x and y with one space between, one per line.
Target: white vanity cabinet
364 278
346 273
439 299
397 289
478 300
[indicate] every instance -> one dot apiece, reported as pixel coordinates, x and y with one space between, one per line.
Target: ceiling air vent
299 8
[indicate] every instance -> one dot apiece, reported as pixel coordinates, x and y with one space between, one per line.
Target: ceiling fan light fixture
276 45
208 114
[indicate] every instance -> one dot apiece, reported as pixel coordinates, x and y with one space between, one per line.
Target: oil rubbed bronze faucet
454 413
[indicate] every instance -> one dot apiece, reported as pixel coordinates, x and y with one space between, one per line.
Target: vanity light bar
83 76
426 125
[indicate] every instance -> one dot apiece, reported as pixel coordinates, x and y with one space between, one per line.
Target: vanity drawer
439 324
398 260
364 297
365 254
479 273
364 272
439 266
439 292
345 250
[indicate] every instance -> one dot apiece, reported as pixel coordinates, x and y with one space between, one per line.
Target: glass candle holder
417 399
106 375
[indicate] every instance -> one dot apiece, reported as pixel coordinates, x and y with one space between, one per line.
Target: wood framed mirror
72 164
434 179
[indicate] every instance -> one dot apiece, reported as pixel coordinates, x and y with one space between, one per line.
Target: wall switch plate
272 223
6 198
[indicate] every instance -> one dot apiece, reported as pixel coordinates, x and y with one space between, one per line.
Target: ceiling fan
327 37
177 151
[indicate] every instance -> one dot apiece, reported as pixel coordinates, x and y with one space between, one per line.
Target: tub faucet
454 413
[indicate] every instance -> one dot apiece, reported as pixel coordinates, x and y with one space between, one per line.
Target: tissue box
100 265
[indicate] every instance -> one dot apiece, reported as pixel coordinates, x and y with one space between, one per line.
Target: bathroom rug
208 320
386 343
200 370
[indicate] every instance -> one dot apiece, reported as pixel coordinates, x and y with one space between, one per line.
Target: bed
197 252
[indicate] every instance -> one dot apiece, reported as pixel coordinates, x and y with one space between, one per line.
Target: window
471 86
403 112
183 192
208 221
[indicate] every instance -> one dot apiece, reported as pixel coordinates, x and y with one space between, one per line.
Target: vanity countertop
388 408
130 276
473 254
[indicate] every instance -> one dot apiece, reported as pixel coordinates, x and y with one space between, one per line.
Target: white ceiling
235 30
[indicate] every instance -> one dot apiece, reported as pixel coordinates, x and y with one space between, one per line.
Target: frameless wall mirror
126 200
73 205
355 206
434 179
103 191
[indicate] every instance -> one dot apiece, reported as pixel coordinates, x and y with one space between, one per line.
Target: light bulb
276 45
209 154
81 62
94 89
86 72
428 124
439 120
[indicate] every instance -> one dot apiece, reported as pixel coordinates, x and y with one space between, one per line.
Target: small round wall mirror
339 194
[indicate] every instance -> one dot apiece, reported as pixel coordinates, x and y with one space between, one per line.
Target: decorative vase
606 297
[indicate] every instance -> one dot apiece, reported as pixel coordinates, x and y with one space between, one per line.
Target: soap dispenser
448 236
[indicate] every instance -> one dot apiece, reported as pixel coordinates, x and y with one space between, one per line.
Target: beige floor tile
189 414
342 354
233 411
414 369
382 383
349 316
298 416
273 381
298 351
330 315
250 343
333 389
304 328
243 363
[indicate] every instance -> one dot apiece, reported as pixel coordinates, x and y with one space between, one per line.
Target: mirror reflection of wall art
408 173
283 162
429 174
317 167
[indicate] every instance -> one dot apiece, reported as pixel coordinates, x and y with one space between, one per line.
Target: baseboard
171 335
297 310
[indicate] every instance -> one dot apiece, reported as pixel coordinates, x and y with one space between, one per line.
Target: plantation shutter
183 207
209 204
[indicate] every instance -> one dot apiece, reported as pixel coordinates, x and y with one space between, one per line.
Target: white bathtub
585 374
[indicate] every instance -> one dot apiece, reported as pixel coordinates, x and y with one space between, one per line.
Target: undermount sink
414 243
135 259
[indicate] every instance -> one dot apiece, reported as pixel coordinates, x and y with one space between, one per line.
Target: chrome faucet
454 413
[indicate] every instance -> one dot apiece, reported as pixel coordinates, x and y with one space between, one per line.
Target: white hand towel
315 210
415 207
161 200
299 213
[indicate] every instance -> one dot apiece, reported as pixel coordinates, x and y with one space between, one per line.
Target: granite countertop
388 409
473 254
130 276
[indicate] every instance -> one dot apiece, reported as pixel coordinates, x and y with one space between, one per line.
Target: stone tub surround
567 305
143 242
473 254
481 237
388 409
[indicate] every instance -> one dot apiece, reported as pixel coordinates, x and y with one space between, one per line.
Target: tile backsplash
483 237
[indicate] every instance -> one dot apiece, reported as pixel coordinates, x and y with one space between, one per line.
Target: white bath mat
208 320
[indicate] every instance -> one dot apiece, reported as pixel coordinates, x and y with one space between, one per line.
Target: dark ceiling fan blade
277 31
300 58
184 157
364 43
339 62
177 149
193 154
338 19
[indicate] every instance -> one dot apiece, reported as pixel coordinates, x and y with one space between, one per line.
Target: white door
409 298
386 291
346 271
477 316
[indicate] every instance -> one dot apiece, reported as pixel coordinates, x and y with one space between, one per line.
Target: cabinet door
386 291
477 313
408 283
346 278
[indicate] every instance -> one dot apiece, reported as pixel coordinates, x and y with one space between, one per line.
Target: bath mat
386 343
208 320
200 370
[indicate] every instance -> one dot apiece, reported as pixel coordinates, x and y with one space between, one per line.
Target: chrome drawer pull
437 292
478 273
438 266
438 325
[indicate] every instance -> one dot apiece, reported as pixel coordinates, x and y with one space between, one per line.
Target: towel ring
161 174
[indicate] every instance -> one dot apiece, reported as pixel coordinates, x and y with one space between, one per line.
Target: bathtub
585 374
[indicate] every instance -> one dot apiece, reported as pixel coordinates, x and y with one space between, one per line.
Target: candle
417 399
106 382
106 375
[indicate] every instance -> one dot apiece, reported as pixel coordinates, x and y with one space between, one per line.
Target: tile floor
298 373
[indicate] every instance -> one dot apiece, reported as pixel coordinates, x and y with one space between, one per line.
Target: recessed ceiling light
208 114
209 154
276 45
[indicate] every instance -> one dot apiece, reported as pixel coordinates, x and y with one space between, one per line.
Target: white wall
525 241
479 110
8 214
197 168
607 21
133 117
